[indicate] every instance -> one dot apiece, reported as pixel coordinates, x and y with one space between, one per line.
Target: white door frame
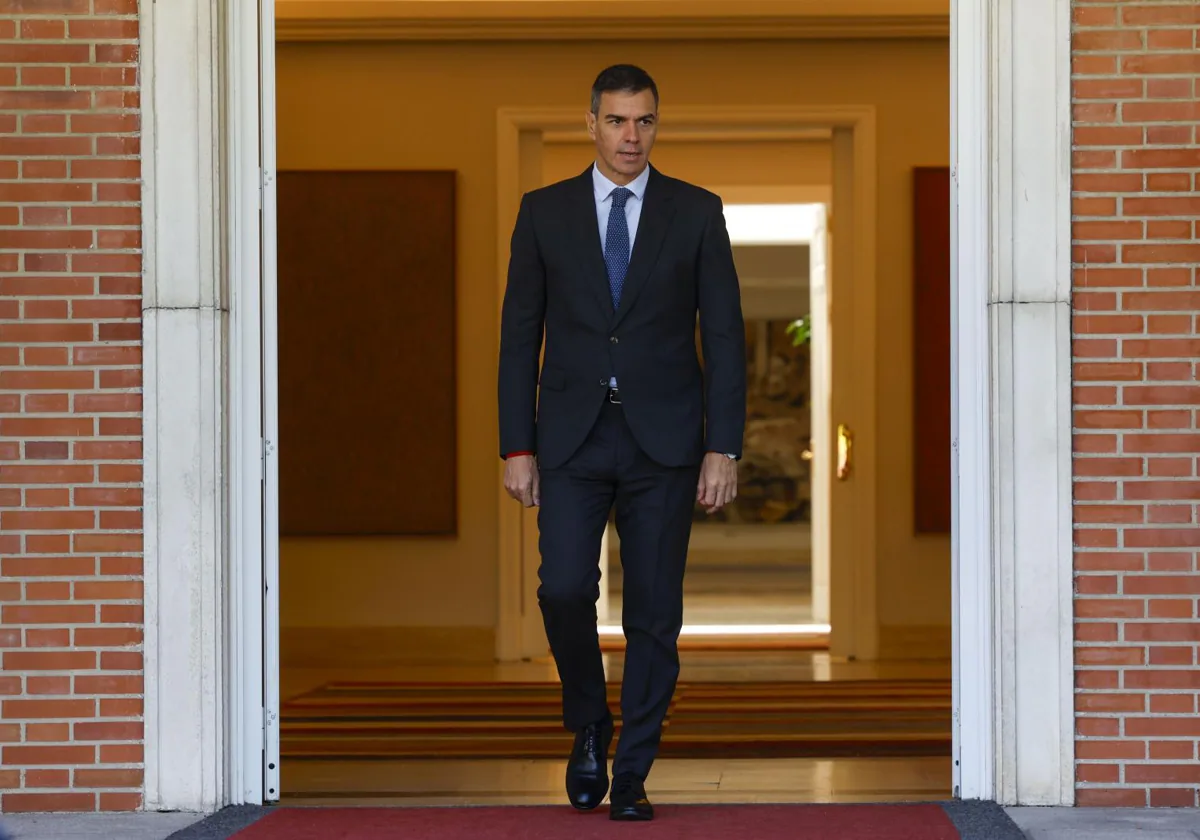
206 680
270 390
1013 738
1011 401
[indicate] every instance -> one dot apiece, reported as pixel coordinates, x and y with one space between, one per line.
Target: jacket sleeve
522 321
722 339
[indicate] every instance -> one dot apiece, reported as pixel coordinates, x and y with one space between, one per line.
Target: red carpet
693 822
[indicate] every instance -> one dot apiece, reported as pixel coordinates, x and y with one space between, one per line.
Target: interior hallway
309 778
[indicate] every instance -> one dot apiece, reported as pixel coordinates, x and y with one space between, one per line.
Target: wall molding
529 20
1011 541
186 487
1030 321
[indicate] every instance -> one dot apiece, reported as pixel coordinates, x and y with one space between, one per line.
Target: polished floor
434 781
715 666
735 587
732 596
776 592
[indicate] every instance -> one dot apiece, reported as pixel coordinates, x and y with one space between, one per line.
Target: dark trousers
654 506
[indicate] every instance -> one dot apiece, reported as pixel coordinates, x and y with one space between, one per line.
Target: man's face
624 133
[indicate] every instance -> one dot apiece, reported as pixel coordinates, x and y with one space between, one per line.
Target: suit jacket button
614 340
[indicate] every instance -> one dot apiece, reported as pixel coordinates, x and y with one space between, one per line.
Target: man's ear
590 119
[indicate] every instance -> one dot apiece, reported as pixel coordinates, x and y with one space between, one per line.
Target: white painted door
270 402
852 605
822 462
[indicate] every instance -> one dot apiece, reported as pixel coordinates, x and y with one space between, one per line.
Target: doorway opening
370 627
763 162
761 566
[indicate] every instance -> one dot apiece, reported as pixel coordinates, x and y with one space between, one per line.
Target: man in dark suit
613 266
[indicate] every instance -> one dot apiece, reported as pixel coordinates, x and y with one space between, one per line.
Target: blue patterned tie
616 243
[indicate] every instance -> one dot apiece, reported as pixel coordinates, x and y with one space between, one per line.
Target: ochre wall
434 106
715 163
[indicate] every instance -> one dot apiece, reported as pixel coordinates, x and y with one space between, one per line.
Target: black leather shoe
627 801
587 768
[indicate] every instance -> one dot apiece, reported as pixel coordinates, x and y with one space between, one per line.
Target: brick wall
70 425
1136 205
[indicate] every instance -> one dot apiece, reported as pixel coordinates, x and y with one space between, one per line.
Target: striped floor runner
706 719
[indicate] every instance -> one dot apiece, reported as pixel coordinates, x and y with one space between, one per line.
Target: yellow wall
433 106
807 163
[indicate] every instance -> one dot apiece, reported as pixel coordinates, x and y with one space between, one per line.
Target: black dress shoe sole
584 807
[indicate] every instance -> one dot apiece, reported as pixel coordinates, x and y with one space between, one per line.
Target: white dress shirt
633 206
633 210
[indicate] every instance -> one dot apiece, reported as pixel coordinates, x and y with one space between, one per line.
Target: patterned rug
519 720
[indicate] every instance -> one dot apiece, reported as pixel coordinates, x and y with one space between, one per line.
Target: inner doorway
534 147
761 567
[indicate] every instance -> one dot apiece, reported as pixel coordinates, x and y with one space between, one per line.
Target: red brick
1168 181
1110 797
109 731
1172 656
1162 537
121 753
1173 798
108 684
43 755
47 778
1110 702
1109 608
120 801
42 709
1159 14
1153 112
1085 40
1171 750
55 802
1161 727
1095 727
109 778
1109 750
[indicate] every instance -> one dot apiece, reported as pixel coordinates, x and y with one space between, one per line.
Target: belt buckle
614 396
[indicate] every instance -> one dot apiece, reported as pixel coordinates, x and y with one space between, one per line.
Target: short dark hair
622 78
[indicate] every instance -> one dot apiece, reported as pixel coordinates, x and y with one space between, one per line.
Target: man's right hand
521 480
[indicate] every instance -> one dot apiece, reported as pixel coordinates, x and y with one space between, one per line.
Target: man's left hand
718 482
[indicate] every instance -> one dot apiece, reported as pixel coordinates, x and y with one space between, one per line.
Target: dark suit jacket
681 264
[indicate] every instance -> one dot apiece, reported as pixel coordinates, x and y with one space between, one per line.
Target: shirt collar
604 186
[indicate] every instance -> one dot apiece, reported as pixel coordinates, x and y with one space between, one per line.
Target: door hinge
263 455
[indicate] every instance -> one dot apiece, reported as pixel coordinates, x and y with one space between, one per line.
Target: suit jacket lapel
585 233
657 212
